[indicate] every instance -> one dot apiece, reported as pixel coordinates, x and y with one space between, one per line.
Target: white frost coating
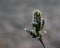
26 29
37 11
34 22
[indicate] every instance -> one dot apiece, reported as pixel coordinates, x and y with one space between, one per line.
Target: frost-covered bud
38 24
36 13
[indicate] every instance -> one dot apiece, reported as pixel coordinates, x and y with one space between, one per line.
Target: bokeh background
15 15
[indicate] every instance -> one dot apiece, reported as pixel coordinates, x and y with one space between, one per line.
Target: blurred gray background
15 15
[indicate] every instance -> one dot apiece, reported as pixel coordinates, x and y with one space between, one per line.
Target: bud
34 24
36 13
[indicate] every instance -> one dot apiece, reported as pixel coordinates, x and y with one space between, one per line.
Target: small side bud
34 24
43 23
28 30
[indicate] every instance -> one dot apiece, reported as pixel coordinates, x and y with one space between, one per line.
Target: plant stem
40 39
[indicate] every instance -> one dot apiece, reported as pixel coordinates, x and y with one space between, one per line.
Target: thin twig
40 39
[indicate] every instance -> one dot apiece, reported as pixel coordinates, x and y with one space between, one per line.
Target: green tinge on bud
34 24
43 23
